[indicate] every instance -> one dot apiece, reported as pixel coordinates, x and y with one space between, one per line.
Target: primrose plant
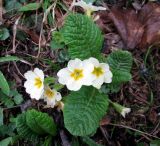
89 76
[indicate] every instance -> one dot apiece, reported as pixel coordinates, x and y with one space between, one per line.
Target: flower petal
94 61
74 85
58 96
97 83
108 77
30 75
73 64
39 73
64 76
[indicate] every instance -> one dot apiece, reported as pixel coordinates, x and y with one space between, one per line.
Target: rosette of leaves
83 111
32 125
82 36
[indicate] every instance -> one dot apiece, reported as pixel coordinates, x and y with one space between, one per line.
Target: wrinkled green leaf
24 131
40 122
82 36
83 111
30 7
120 63
4 84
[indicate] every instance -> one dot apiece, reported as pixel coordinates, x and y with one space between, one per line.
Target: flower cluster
34 85
87 72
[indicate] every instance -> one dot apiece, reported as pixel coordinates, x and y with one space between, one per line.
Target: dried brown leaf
127 25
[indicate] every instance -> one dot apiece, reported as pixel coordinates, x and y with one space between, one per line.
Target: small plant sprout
88 7
120 109
52 97
101 73
34 83
76 74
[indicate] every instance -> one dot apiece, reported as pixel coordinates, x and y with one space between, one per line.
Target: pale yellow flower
34 83
101 73
76 74
88 7
52 97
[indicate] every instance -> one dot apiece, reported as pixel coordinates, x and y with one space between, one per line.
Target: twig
1 12
14 34
44 19
127 127
18 70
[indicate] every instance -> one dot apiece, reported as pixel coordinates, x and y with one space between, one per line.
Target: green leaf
63 56
120 60
83 111
1 116
82 36
6 100
155 143
49 80
40 122
9 58
17 97
6 141
30 7
12 5
54 45
89 141
23 130
4 84
120 63
89 1
4 34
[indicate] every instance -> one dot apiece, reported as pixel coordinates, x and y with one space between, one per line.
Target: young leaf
4 34
30 7
40 122
9 58
4 84
120 63
83 111
120 60
83 37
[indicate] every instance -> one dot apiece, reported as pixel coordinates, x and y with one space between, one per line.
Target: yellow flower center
88 12
38 82
49 93
77 74
98 71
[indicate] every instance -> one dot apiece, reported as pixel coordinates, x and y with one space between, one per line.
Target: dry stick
127 127
18 70
44 19
14 34
1 12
